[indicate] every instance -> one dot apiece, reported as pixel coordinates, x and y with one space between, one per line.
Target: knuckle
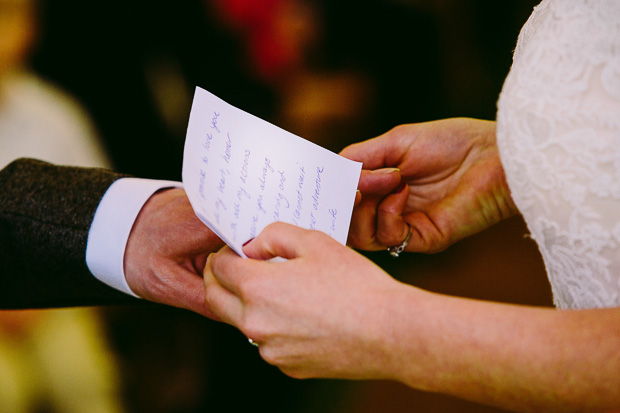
399 130
388 209
248 288
395 233
315 237
275 227
386 237
252 324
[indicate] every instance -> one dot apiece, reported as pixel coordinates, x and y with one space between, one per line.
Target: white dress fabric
558 131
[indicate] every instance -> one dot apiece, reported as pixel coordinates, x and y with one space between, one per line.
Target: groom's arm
45 215
47 235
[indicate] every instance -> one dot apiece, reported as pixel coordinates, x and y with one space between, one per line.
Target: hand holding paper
242 173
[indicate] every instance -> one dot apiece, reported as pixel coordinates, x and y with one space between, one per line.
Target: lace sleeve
559 138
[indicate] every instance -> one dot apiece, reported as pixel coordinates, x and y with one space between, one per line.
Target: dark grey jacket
45 215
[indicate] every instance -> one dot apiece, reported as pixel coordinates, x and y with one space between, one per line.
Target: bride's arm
329 312
515 357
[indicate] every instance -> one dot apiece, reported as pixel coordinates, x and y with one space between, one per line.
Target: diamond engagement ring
395 251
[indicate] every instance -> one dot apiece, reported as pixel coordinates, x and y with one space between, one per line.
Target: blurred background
110 83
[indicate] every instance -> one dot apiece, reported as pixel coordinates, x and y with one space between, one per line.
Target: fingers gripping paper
242 173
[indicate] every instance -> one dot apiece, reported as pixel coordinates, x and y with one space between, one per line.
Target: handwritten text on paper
242 173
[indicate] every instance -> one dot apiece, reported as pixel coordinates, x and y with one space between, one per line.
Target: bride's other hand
329 312
453 185
316 315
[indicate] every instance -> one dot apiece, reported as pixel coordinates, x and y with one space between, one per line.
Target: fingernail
387 170
247 242
400 187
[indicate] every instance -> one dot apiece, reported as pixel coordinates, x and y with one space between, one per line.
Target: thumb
280 239
379 182
373 153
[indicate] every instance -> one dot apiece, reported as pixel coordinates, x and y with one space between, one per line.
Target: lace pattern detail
558 131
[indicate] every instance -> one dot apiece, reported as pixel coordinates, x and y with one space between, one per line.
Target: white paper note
242 173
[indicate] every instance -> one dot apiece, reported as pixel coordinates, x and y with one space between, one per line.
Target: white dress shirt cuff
112 223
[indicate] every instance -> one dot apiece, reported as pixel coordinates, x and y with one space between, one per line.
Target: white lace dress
558 131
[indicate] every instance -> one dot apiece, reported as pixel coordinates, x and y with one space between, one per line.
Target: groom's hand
167 251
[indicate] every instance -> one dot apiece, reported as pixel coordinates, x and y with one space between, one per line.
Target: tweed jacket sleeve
45 214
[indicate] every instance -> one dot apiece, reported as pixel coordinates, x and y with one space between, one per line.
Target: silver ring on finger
397 250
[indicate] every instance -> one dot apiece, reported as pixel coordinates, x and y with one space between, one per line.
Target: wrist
112 225
422 334
503 197
504 201
141 250
404 333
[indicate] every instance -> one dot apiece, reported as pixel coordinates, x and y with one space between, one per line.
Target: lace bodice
558 131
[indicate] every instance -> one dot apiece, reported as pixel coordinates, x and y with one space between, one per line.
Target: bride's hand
453 185
322 313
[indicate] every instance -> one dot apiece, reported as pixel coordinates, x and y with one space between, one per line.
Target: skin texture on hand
455 188
288 308
167 250
329 312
